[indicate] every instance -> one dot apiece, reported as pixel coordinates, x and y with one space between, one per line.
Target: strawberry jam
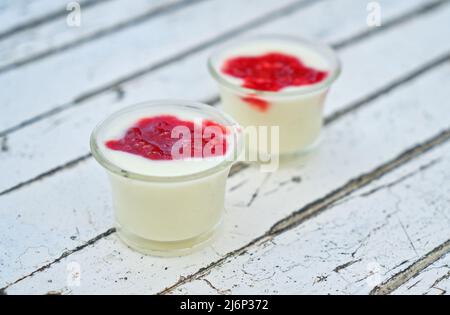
272 71
152 138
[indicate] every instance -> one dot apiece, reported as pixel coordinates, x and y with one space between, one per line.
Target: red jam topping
257 103
152 138
272 71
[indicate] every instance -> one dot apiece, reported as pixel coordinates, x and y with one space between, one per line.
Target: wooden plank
21 15
96 21
352 247
434 280
90 67
27 159
352 146
413 270
77 96
105 18
76 125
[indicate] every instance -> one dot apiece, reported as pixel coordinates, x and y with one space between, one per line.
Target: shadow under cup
297 112
167 215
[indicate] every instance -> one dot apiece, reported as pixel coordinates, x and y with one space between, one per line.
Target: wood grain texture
97 21
77 96
434 280
365 213
100 64
342 157
28 158
23 15
352 247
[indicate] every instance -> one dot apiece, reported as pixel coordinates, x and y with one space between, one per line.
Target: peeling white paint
350 248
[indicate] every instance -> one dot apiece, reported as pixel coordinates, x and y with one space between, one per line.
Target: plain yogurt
277 81
164 206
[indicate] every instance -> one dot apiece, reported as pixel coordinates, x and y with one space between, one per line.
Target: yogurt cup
165 207
296 110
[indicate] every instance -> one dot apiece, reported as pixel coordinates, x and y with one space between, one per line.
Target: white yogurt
164 207
297 111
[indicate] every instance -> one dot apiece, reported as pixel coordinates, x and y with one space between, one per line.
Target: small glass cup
298 112
166 215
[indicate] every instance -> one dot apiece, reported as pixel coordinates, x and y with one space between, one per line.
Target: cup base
167 248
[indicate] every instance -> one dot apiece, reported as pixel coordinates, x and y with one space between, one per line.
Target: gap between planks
163 9
394 22
331 118
63 255
46 18
160 10
313 209
412 271
287 10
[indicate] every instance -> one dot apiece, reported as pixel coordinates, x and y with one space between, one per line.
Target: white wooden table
367 213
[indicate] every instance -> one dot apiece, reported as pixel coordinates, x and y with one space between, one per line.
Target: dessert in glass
167 162
277 81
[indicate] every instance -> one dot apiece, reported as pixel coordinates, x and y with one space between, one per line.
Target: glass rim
117 170
324 50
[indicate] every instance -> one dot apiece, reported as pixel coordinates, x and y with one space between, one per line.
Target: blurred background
65 65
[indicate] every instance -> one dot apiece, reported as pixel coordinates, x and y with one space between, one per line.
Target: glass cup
297 112
159 210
